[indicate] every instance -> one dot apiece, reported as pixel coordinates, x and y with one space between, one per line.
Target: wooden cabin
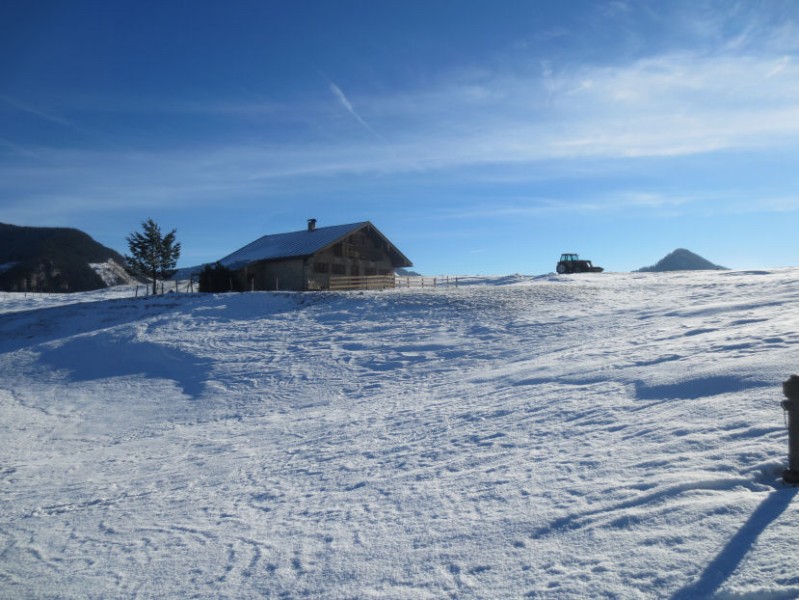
354 256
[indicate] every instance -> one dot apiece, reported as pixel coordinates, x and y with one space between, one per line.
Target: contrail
348 105
41 114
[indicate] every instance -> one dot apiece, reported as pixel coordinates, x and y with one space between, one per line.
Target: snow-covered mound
559 437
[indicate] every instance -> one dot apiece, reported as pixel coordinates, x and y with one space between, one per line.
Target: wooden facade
360 251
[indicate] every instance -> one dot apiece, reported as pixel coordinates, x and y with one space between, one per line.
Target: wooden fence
189 286
363 282
420 282
384 282
338 283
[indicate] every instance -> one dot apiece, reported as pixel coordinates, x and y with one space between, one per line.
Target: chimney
311 224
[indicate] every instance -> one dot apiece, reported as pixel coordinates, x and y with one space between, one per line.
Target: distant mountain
54 259
681 260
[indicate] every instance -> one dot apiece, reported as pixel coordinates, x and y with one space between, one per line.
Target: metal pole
791 390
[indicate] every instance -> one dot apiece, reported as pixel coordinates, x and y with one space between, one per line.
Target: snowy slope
613 436
112 273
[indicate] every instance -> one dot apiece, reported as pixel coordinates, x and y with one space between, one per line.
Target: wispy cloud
16 148
549 117
779 67
342 98
47 116
617 202
666 106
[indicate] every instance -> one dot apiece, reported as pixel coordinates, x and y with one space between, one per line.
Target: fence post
791 390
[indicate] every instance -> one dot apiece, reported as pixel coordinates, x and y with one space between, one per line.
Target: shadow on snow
101 356
725 563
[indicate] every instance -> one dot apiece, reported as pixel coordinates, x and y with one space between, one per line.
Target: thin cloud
348 105
39 113
779 68
503 207
16 148
533 124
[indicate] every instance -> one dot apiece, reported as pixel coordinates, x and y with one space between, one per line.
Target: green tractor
572 263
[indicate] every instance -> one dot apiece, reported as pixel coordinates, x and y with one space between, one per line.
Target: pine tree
153 255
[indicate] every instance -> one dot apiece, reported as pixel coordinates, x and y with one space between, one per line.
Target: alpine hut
354 256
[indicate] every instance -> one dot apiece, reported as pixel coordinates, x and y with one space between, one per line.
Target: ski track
614 436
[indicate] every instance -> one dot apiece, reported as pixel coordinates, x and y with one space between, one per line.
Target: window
338 269
321 267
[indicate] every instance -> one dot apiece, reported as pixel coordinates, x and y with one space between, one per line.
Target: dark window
355 270
320 267
338 269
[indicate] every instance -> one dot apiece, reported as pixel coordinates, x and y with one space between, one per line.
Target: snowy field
587 436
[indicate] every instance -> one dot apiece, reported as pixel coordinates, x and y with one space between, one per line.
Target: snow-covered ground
589 436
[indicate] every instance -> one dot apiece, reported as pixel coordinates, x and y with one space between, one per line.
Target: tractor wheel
561 268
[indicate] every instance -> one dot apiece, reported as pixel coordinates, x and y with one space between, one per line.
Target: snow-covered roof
295 244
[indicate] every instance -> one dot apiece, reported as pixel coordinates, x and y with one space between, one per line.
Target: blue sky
480 137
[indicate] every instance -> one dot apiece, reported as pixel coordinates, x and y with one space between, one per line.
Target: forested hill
55 259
